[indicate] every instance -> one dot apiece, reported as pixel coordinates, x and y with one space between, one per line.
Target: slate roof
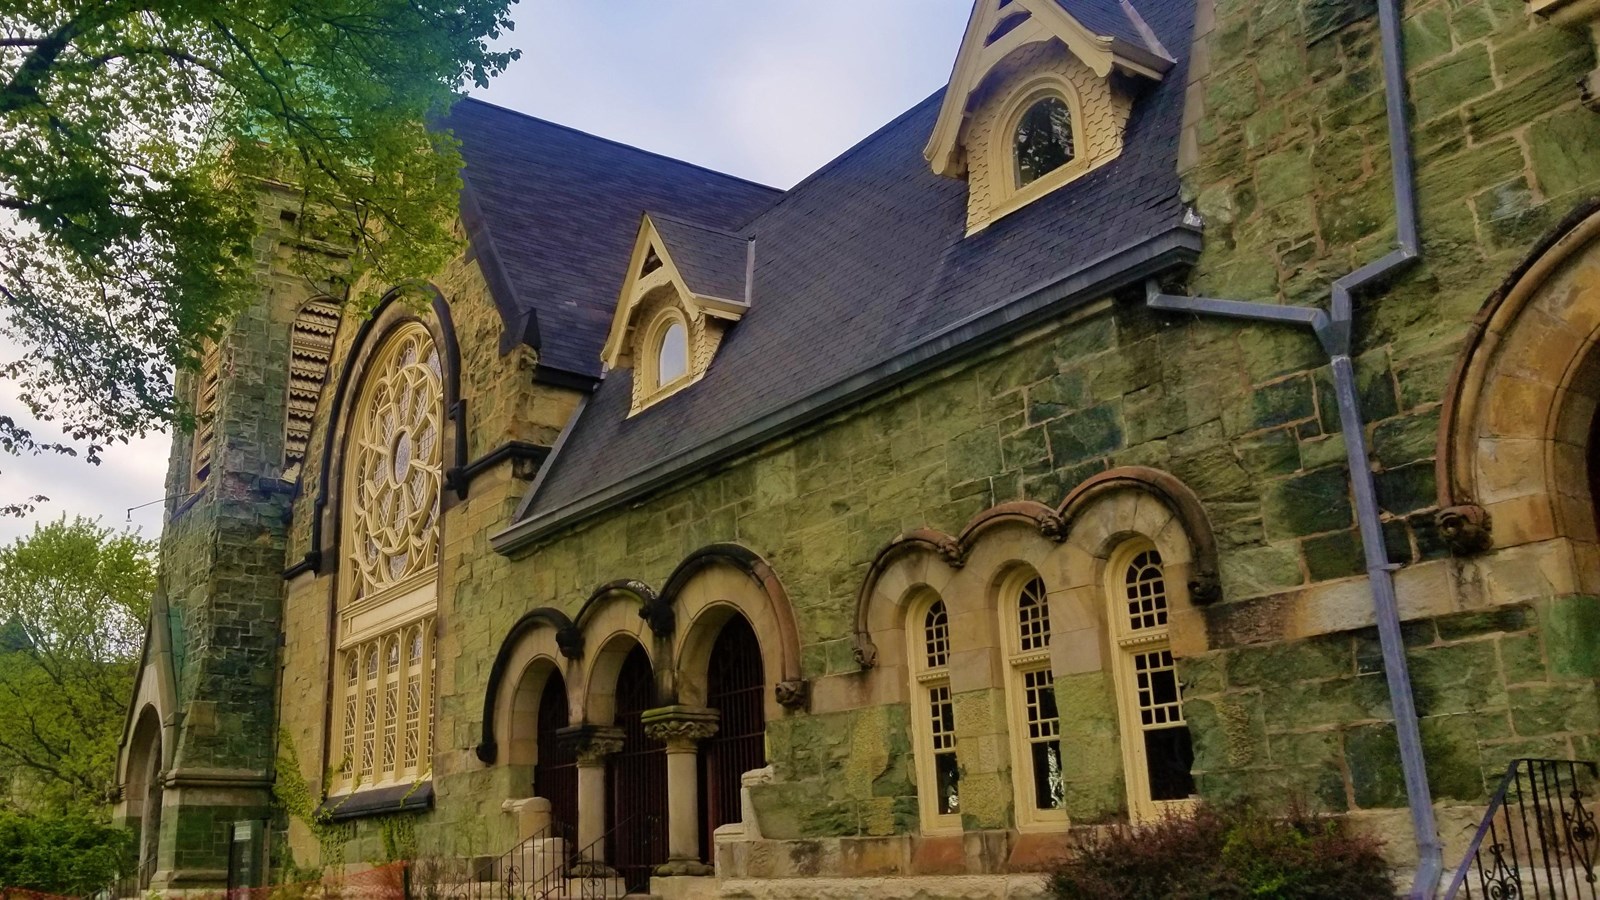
712 262
1110 17
553 214
866 261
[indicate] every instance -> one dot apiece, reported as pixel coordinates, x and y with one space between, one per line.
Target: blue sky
767 90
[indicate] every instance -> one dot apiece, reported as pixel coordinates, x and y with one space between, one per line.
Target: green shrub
1224 853
67 854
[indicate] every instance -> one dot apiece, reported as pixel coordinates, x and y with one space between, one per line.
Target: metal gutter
1178 245
1333 332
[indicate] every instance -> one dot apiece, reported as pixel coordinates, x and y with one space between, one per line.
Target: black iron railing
1538 838
534 869
545 867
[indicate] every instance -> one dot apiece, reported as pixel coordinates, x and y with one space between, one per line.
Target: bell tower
197 757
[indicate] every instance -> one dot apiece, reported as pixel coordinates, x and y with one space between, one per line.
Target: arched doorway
555 770
735 686
145 791
636 780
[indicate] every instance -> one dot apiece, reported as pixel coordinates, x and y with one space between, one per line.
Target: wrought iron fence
1538 838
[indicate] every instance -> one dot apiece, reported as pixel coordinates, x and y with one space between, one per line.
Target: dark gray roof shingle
1113 18
868 258
553 213
712 262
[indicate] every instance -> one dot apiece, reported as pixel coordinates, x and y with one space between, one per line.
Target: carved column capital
591 743
681 728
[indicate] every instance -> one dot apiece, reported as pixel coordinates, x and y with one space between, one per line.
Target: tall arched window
1042 140
1157 750
1035 723
938 771
389 587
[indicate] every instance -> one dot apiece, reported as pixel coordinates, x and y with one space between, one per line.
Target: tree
75 597
135 136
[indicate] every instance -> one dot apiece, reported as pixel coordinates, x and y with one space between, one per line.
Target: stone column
592 744
682 728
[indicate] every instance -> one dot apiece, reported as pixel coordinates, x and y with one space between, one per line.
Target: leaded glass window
384 698
393 481
396 466
1043 140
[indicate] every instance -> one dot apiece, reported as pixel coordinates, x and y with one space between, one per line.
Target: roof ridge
616 143
691 223
850 151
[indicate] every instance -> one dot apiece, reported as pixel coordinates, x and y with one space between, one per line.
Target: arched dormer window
1042 141
393 476
1037 771
672 354
938 770
1157 749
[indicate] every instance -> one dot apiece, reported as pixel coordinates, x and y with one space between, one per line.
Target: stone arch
1514 432
142 787
1103 521
546 635
708 588
599 685
1159 500
391 313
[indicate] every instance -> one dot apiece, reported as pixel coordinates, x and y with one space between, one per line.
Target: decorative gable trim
999 27
713 279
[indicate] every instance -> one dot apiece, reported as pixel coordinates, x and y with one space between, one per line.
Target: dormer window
691 283
1043 139
1039 99
672 353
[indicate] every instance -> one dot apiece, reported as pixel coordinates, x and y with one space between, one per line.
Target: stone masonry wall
1285 156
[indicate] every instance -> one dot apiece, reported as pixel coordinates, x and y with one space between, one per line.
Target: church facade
992 483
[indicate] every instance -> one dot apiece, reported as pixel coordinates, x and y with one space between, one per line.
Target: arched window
938 771
388 592
1035 723
1157 749
672 354
1043 139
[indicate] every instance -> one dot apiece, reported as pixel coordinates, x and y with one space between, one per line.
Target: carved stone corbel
569 640
1205 589
866 652
1466 529
792 694
658 614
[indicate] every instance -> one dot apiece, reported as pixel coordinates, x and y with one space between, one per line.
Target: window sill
395 798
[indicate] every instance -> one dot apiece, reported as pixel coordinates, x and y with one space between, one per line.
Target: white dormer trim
639 285
1046 20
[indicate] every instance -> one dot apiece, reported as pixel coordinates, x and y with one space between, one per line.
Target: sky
768 90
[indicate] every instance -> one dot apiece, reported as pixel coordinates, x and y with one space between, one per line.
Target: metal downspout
1333 332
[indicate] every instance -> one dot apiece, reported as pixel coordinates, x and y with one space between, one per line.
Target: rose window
397 472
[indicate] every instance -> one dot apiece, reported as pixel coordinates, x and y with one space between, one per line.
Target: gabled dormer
1040 96
686 285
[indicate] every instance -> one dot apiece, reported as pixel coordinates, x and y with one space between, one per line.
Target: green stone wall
1286 157
221 558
